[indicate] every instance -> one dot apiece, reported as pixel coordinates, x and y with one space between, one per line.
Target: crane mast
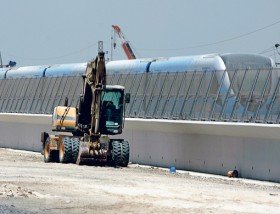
125 44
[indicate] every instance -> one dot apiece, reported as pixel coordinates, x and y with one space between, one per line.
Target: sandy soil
27 185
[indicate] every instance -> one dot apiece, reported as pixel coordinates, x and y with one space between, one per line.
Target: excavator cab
112 110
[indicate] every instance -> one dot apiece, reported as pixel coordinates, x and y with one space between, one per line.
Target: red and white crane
125 44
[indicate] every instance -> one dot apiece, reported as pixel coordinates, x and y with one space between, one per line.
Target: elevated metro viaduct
212 119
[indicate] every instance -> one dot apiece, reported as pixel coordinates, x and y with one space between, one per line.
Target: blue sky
35 32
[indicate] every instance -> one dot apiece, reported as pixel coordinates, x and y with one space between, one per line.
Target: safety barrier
204 146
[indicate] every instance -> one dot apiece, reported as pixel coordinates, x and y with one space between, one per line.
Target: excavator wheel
49 155
75 149
120 153
65 150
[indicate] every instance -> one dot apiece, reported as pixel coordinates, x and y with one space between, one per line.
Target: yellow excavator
100 114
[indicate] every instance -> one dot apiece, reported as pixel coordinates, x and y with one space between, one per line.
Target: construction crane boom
125 44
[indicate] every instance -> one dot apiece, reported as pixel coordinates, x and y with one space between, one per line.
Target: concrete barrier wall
252 149
212 147
23 131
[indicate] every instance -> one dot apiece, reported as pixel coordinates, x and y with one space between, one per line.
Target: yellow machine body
64 119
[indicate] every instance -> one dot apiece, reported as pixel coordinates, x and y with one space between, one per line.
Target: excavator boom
96 79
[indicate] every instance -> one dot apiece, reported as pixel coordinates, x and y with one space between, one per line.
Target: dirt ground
27 185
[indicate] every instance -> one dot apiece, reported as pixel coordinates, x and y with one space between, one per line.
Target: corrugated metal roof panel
26 72
75 69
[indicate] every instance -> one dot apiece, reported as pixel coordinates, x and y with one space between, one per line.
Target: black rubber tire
75 149
125 154
120 153
65 151
49 155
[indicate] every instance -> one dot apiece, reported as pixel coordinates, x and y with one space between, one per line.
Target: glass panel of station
38 95
226 96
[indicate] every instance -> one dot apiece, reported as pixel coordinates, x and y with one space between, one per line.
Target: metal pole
1 62
111 48
100 46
